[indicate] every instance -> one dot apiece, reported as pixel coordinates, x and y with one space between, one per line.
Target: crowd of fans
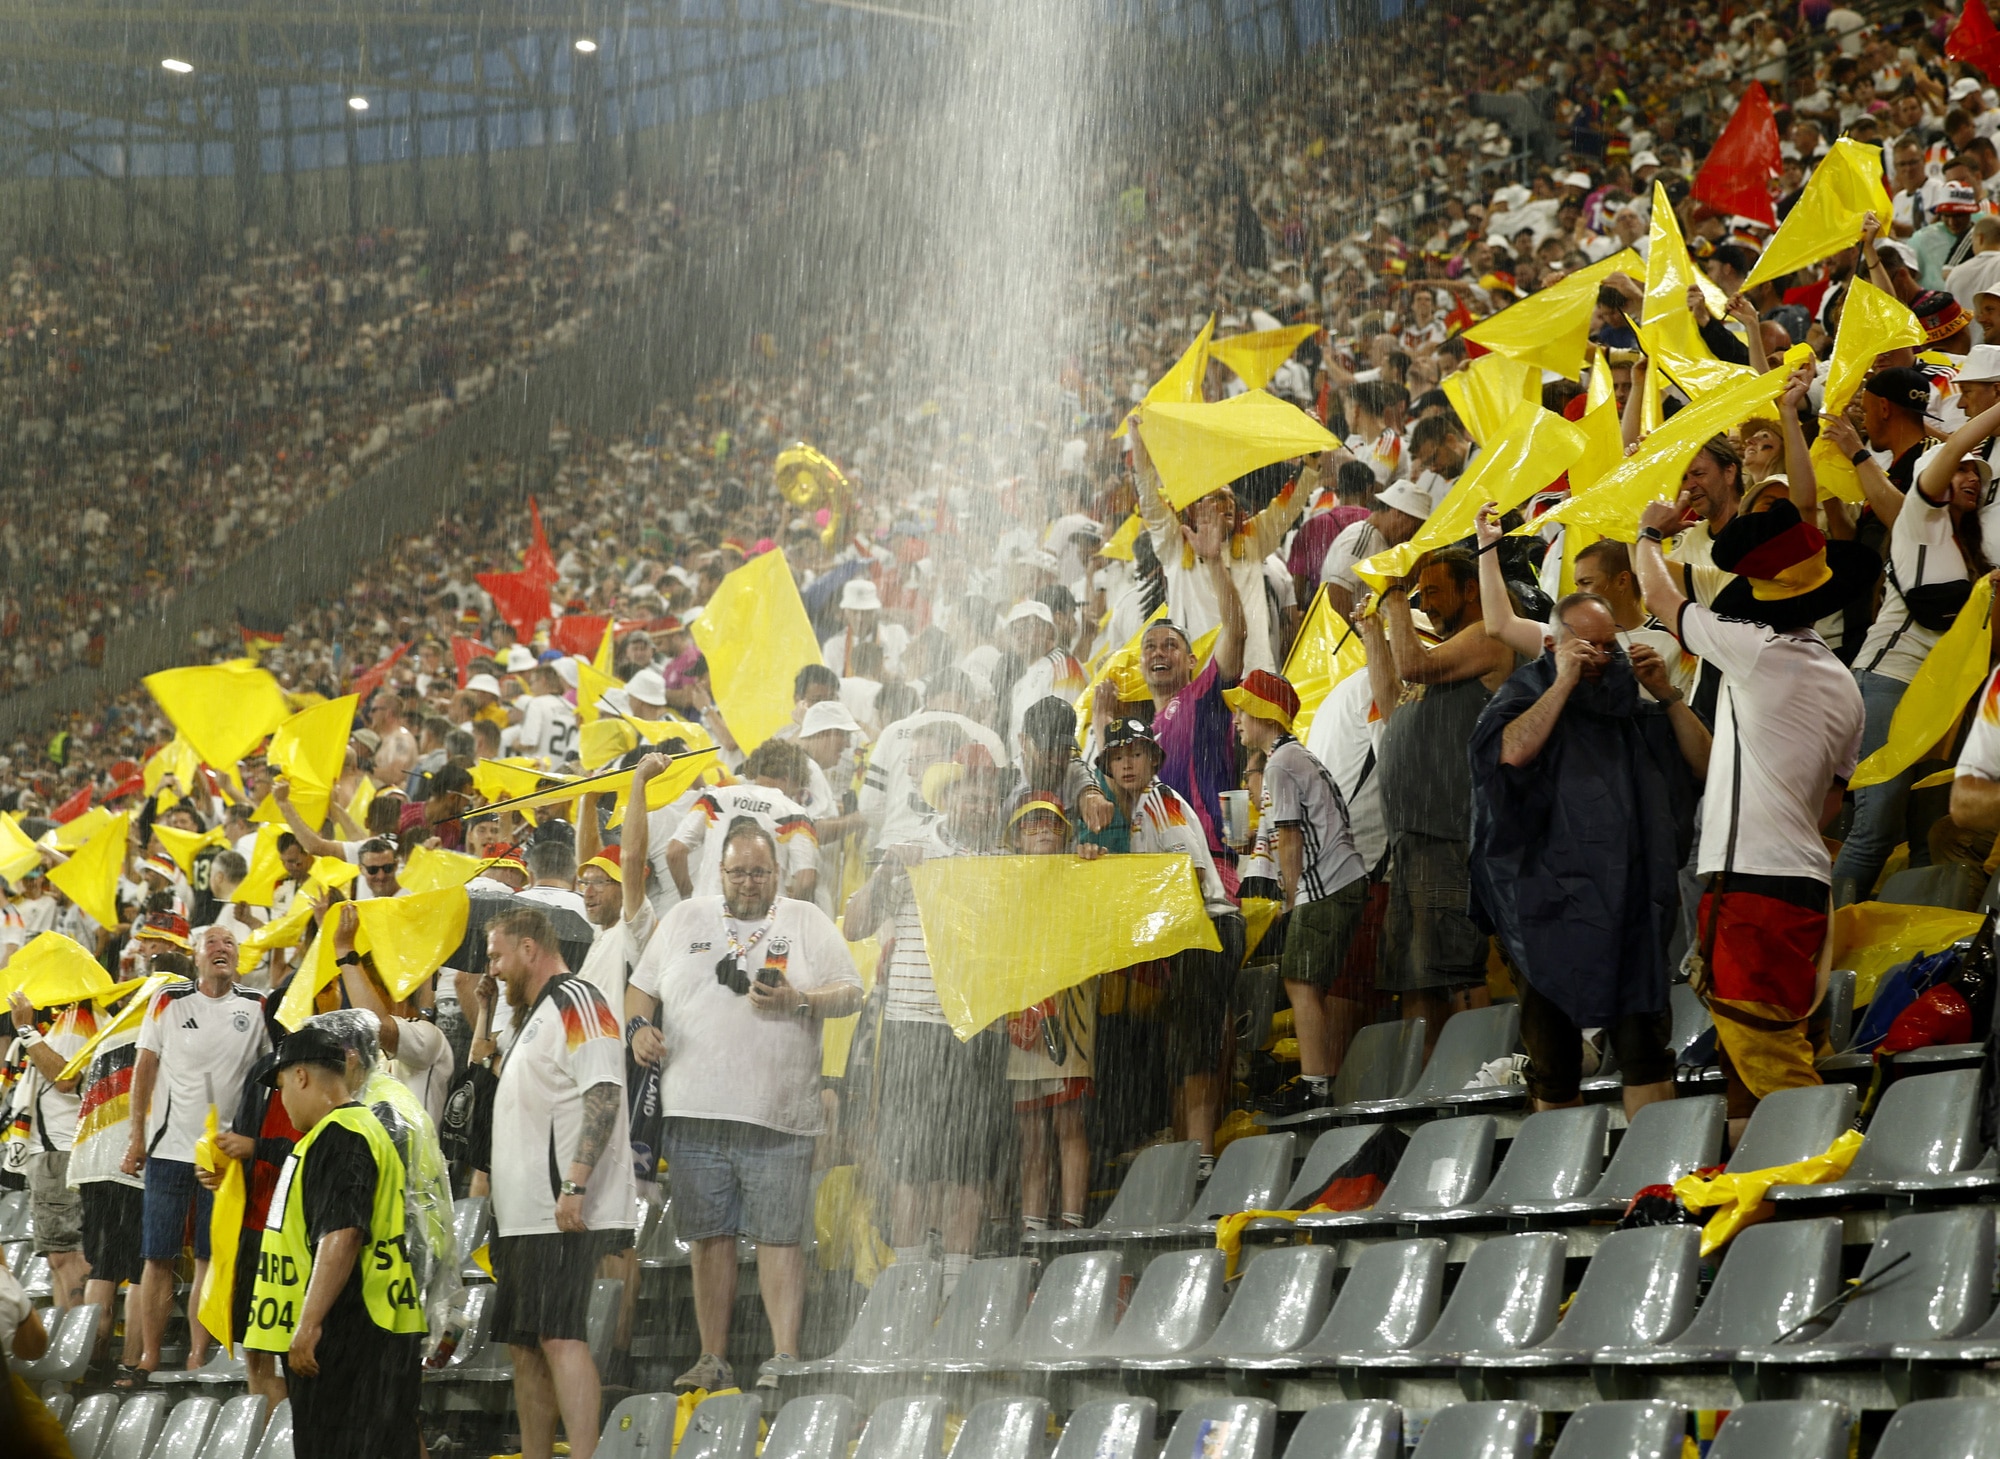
1537 721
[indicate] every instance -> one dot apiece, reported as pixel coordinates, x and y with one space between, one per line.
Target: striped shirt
1300 795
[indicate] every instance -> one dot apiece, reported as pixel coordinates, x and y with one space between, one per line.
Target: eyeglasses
756 873
595 881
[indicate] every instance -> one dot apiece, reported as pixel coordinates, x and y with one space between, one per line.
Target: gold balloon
809 480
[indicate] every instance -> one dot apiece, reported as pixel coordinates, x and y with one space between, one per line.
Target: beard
748 906
517 994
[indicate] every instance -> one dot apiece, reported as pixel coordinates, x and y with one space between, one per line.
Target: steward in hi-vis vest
335 1292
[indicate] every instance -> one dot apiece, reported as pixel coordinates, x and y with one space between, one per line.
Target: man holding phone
741 983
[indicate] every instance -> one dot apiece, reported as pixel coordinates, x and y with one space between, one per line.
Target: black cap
1905 385
309 1045
1122 732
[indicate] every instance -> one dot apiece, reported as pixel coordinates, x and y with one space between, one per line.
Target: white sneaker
767 1372
710 1372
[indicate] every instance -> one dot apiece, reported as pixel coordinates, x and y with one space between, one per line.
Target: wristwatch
348 960
571 1188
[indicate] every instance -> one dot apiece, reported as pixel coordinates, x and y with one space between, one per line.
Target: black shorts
249 1247
113 1217
542 1283
1555 1047
1198 989
363 1402
945 1112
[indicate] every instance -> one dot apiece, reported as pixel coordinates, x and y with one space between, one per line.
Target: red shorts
1766 950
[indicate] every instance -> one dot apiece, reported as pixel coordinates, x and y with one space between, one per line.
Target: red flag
367 683
520 597
70 809
464 651
1974 40
577 633
538 562
1744 159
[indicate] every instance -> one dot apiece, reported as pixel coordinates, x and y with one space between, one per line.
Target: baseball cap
309 1045
1030 608
1265 695
1963 87
1645 159
1904 386
1405 497
1901 252
1122 732
1039 805
1982 364
828 714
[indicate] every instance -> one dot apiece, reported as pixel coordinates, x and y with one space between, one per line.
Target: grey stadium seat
904 1428
1369 1429
1639 1290
1446 1165
1004 1428
1481 1431
1807 1429
1389 1301
1109 1428
640 1427
1228 1428
1282 1299
1641 1429
815 1427
1173 1310
723 1426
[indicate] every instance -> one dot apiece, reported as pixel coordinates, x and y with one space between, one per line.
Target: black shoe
1297 1098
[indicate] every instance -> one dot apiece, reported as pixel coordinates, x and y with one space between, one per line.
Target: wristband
633 1025
1859 456
1650 534
29 1037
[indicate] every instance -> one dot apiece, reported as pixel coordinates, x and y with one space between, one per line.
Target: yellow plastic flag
1603 447
286 931
1258 915
592 683
1488 393
358 803
612 735
1872 322
1550 329
1828 214
756 637
1121 667
1951 673
430 870
18 853
124 1019
71 835
1740 1194
182 845
666 787
1201 448
1119 543
1872 937
409 938
1653 472
225 1231
505 779
177 758
1326 651
328 872
604 658
1669 270
90 877
267 869
310 749
836 1038
221 710
52 970
1676 349
1090 917
1255 357
1181 385
1536 447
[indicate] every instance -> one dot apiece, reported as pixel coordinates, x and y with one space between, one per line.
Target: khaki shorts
58 1209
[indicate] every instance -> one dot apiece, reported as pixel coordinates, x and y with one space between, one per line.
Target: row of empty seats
154 1426
822 1426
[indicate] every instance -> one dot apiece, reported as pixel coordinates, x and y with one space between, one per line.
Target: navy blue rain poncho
1574 856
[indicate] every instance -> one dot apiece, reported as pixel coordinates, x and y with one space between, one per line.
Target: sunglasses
387 868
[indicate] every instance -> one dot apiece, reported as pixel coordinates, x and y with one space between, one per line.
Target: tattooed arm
600 1119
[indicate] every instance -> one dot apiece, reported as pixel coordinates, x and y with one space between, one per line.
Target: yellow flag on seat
1669 270
90 877
1090 917
1489 392
756 636
221 710
1256 357
1872 322
1828 214
1326 651
53 970
1950 675
1550 329
310 749
1200 448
